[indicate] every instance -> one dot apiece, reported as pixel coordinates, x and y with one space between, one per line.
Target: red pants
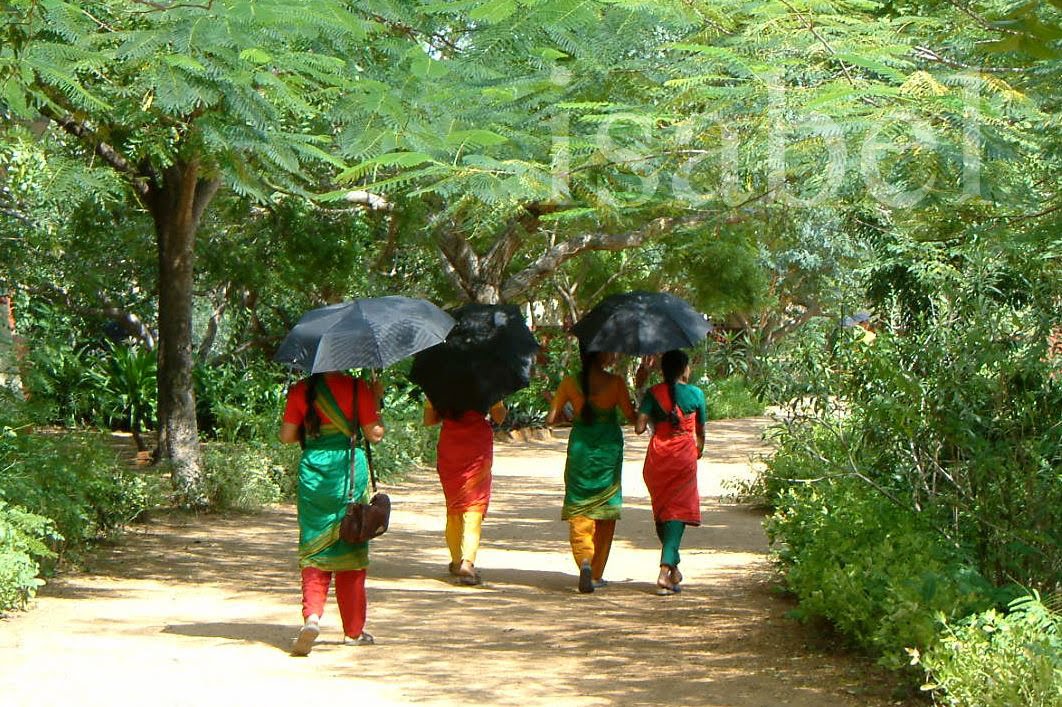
350 595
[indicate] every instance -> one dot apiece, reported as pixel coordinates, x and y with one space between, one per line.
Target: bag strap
349 427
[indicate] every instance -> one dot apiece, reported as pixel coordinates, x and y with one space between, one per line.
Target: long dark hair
588 358
673 365
311 423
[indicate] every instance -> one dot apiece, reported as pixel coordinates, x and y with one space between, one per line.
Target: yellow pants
462 535
591 541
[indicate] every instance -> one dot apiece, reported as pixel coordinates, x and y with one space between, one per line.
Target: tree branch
130 323
374 202
810 24
459 255
162 7
553 258
106 152
205 190
985 24
925 53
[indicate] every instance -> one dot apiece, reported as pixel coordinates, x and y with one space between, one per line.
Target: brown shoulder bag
363 521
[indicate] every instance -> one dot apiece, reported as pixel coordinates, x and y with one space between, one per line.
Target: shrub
999 660
407 443
71 478
876 570
239 401
730 397
241 476
25 538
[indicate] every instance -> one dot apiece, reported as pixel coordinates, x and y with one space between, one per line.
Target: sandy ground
202 611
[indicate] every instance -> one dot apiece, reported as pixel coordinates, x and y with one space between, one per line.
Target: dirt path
202 611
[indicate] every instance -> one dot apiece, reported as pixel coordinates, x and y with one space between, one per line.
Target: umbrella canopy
364 333
857 318
487 356
641 323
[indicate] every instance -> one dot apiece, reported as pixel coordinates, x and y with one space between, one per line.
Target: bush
25 538
239 401
997 660
407 443
730 397
240 476
71 478
75 480
876 570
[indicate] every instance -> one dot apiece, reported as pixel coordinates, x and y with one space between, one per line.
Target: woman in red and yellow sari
592 493
464 459
677 413
321 414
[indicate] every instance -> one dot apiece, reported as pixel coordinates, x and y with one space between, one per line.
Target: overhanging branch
103 150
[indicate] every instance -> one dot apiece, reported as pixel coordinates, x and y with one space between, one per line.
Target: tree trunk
12 353
176 200
483 293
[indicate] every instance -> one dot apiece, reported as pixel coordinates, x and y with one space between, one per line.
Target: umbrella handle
376 386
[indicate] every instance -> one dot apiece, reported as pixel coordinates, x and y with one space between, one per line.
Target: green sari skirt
593 470
324 482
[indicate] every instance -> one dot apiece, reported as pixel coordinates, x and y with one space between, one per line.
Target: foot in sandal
467 574
307 636
586 581
664 585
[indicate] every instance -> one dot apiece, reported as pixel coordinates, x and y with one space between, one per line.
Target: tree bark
177 198
11 371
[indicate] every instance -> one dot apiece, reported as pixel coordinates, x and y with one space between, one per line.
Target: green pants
670 534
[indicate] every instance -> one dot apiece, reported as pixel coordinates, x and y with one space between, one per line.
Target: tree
532 148
179 100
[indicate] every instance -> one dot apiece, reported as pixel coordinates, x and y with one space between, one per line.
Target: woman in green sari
592 493
323 413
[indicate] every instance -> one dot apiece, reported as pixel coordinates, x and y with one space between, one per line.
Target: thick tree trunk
484 293
177 200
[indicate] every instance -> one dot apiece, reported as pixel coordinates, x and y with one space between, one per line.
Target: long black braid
673 365
588 358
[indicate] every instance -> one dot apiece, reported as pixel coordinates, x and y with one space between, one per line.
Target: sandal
365 639
586 582
664 585
304 641
676 580
468 577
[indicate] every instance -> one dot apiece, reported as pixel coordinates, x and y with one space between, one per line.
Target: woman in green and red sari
592 493
677 413
323 412
464 460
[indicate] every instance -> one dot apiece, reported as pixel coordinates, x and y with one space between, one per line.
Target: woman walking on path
464 459
677 413
323 413
592 494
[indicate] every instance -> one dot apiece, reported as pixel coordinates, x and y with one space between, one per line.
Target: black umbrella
363 333
641 323
487 355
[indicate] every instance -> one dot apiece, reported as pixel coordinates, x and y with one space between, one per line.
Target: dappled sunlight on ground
202 610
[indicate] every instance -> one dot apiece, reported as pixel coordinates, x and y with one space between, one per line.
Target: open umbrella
364 333
487 355
641 323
